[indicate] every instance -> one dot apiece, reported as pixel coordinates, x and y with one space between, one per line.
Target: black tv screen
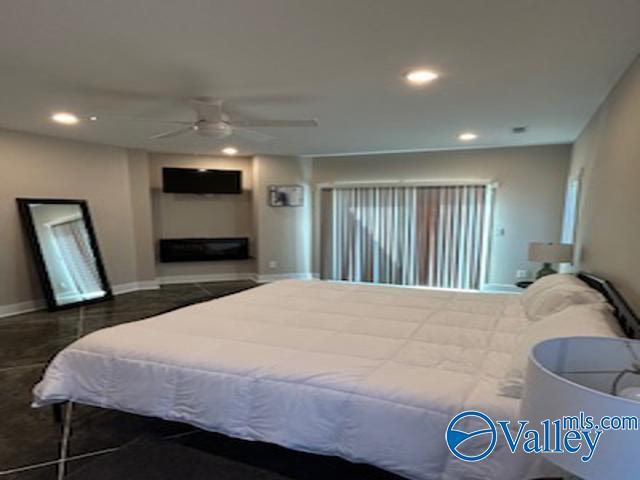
194 180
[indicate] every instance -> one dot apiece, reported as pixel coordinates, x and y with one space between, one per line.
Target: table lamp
549 253
594 375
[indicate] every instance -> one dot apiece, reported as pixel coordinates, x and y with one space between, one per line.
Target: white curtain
73 244
430 236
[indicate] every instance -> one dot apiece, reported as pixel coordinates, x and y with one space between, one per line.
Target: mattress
372 374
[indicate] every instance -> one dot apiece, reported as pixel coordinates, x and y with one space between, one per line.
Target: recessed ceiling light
64 118
420 77
93 118
467 136
229 150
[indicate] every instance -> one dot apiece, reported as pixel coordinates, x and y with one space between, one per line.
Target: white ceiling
545 64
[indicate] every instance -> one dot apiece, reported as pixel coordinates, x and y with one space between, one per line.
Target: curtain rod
409 183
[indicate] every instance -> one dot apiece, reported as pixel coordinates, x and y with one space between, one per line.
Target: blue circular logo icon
456 437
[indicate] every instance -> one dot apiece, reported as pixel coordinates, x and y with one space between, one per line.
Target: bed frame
628 320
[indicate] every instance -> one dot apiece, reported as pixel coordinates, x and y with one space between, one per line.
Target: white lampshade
550 252
566 376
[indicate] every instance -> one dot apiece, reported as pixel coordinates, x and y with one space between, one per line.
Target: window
425 235
570 220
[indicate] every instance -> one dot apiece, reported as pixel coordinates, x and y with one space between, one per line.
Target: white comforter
369 373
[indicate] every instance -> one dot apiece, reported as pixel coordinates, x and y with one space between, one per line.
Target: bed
372 374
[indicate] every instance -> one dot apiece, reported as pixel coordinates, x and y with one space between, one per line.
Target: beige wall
529 200
284 233
608 154
38 166
131 213
184 216
140 188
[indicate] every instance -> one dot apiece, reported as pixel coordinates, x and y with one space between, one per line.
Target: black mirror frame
27 221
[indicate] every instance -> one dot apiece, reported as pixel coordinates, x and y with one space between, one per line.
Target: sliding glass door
424 235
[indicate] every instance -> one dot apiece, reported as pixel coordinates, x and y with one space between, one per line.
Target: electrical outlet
522 274
273 264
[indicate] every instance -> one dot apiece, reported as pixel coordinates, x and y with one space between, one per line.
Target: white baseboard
210 277
229 277
33 305
135 286
22 307
501 288
283 276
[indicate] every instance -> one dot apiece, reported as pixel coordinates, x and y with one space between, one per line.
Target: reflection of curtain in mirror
73 244
431 236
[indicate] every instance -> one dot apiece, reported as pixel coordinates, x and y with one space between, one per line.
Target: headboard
626 317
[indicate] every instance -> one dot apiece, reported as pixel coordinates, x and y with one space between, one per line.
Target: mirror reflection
62 234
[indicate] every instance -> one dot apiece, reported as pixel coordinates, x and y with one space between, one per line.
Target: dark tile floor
30 439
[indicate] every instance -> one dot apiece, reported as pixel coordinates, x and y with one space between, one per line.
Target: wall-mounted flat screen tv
200 180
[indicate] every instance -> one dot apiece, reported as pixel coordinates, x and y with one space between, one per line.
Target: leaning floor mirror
66 251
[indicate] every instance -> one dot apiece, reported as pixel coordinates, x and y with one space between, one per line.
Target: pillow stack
554 293
558 305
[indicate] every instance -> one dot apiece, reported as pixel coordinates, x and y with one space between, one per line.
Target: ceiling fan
213 121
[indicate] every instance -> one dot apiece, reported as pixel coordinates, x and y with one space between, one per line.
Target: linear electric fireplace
203 249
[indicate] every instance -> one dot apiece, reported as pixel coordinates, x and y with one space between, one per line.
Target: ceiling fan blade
274 123
173 133
274 99
117 117
251 134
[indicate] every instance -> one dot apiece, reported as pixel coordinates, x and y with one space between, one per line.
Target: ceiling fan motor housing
214 129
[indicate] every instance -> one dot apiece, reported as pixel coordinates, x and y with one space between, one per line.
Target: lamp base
545 270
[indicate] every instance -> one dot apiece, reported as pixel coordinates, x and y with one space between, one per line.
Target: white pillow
556 292
559 298
549 281
576 321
